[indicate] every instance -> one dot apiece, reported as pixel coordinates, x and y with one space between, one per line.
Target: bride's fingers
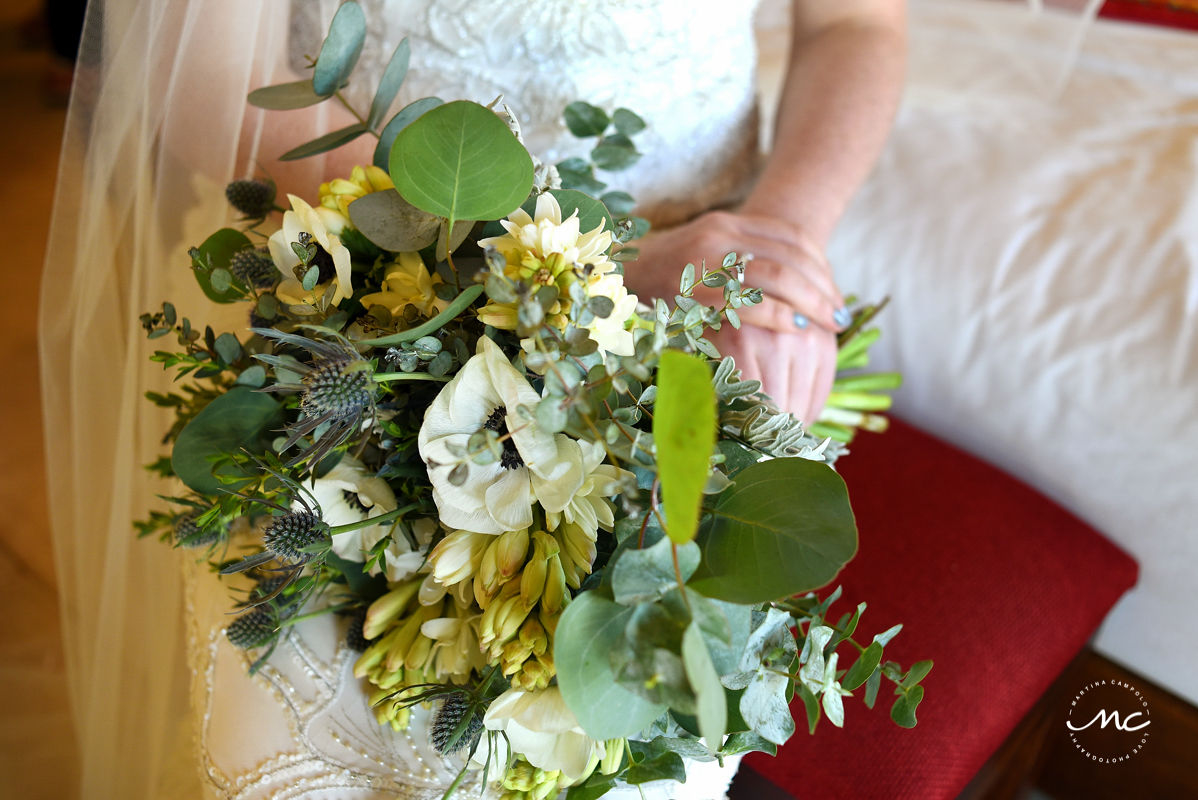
784 315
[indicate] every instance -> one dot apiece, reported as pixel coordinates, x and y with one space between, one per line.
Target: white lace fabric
686 66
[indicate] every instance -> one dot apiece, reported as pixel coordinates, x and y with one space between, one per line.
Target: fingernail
842 317
800 320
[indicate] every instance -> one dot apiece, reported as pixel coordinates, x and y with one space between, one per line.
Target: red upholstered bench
994 582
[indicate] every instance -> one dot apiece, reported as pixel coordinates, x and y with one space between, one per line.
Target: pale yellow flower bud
386 609
613 756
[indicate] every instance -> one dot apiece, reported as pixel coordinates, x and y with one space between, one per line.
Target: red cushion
991 580
1169 13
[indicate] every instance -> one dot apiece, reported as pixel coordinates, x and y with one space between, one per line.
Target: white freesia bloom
609 332
535 467
350 493
325 226
541 727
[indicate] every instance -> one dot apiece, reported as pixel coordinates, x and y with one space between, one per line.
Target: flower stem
384 377
366 523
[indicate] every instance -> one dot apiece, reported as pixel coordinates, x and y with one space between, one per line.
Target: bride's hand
788 341
786 265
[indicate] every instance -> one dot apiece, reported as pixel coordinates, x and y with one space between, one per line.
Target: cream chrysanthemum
338 193
408 283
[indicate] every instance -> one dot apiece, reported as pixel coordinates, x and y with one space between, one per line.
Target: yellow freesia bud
388 608
556 594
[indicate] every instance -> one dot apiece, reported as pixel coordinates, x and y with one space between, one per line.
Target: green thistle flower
456 725
256 628
336 391
254 268
253 198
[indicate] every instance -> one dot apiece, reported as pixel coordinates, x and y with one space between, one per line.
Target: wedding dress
151 141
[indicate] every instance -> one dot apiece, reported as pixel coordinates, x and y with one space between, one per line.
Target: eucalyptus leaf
903 710
393 223
640 575
615 153
461 162
253 376
285 96
323 144
402 119
239 419
393 78
785 527
665 766
340 51
587 632
228 348
684 430
710 706
618 203
627 122
216 253
585 120
863 667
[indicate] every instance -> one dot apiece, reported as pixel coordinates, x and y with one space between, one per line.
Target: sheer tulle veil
151 139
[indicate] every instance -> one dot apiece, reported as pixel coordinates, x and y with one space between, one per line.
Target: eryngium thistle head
251 197
255 628
337 390
189 534
254 268
287 536
455 714
340 386
353 634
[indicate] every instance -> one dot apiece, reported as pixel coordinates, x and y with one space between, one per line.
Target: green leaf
459 304
865 665
393 223
239 419
460 161
615 153
588 631
785 527
810 704
584 119
216 253
871 688
903 710
919 670
393 78
580 175
253 376
711 705
323 144
684 430
285 96
665 766
619 203
748 742
640 575
627 122
340 50
228 348
402 119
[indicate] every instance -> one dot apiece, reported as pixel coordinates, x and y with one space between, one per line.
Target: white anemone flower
589 508
542 728
535 466
324 225
350 493
609 332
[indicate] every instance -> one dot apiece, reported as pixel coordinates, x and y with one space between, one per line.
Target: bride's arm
843 81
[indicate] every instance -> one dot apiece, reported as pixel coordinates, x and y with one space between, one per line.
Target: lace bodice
685 66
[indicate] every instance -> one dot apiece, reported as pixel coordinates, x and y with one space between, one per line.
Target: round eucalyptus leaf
462 162
584 119
240 419
586 634
393 223
340 50
785 527
402 119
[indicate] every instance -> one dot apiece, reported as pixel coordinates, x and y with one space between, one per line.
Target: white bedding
1041 255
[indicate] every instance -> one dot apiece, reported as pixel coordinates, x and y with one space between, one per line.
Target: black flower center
510 459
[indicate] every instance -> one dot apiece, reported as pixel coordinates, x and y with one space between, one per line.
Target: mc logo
1122 715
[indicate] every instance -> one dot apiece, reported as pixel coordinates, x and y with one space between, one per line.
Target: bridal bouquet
551 512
